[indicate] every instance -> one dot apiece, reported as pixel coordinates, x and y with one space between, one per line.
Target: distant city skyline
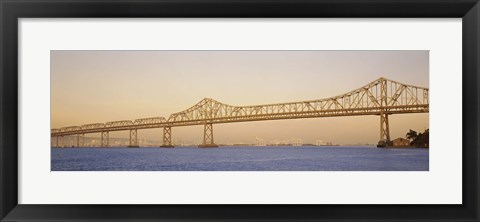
102 86
70 141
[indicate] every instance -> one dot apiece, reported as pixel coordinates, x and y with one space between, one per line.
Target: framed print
281 110
272 149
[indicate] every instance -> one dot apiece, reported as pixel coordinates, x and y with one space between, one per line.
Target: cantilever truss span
381 97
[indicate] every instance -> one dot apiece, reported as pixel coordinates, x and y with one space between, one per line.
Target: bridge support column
104 139
384 131
133 138
167 137
56 141
61 142
208 137
80 140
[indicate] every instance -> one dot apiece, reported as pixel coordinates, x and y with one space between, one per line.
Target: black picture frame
12 10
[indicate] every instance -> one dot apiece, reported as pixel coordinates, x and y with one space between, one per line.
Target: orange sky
103 86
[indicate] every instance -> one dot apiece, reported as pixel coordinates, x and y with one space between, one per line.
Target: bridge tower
133 142
384 126
80 139
104 139
61 142
167 137
208 137
56 141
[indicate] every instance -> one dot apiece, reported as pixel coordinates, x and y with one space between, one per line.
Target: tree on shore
411 135
421 140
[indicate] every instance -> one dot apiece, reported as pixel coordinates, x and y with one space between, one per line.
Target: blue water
240 159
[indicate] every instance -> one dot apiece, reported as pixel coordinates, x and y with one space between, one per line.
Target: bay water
237 158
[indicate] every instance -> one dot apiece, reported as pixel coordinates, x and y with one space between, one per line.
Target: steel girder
381 97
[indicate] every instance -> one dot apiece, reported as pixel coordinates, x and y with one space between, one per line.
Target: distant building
401 142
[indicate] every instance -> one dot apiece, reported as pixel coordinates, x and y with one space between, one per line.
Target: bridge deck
380 97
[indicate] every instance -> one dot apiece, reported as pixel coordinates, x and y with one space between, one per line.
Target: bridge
382 97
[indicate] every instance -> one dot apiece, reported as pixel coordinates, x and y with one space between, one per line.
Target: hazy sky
103 86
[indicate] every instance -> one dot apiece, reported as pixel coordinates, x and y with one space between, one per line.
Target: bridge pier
167 137
61 142
133 138
56 141
384 128
208 137
80 139
104 139
384 131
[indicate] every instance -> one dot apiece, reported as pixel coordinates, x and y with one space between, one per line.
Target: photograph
239 110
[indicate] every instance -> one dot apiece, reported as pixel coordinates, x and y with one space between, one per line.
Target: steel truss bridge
381 97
